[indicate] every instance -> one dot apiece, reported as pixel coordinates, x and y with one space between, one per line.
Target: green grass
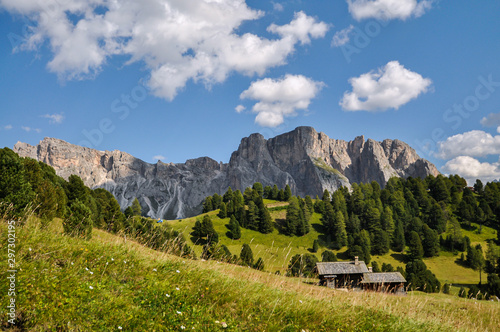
55 294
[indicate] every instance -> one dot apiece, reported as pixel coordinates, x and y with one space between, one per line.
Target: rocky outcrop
306 160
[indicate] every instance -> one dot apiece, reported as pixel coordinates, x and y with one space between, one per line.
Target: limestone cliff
306 160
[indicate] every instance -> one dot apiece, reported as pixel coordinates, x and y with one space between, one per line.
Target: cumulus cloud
177 40
159 157
491 120
472 169
475 143
389 87
240 108
28 129
280 98
7 127
388 9
54 118
342 37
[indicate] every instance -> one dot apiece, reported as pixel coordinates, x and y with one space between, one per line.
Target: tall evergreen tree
430 242
246 255
234 228
136 207
252 216
257 186
287 194
415 249
222 211
265 221
207 204
328 256
339 234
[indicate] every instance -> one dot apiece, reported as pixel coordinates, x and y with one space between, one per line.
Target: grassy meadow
110 283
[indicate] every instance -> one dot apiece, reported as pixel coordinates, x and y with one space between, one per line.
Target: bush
446 289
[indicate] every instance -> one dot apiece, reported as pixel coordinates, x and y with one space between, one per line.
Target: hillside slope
306 160
109 283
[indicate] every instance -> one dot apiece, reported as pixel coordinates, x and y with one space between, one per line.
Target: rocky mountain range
306 160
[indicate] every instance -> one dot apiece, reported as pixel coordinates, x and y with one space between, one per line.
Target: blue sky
164 78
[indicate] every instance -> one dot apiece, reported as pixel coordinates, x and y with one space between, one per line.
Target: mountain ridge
306 160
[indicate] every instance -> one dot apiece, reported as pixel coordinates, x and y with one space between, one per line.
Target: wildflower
177 288
72 263
91 287
119 327
107 263
182 327
217 322
30 249
91 272
154 270
167 295
112 259
224 325
125 262
300 301
178 271
87 268
179 313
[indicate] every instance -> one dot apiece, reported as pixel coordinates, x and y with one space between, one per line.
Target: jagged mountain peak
306 160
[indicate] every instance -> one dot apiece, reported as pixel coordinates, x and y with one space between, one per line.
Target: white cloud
28 129
389 87
475 143
7 127
159 157
177 40
54 118
472 169
301 28
388 9
277 6
342 37
280 98
240 108
491 120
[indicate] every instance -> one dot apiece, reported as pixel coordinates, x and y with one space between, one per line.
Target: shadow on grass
399 257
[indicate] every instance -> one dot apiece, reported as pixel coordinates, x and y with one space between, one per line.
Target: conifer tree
136 207
275 192
415 249
265 221
328 256
222 211
234 228
287 194
339 234
257 186
315 246
246 255
207 205
430 242
252 216
259 265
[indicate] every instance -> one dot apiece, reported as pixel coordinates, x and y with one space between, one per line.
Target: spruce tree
430 242
287 194
246 255
252 216
234 228
136 207
259 265
292 219
275 192
328 256
315 246
398 240
222 211
257 186
415 249
339 234
207 205
265 221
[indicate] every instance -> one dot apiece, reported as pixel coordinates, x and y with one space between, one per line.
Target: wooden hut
392 282
342 274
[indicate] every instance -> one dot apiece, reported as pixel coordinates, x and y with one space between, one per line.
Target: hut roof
331 268
382 277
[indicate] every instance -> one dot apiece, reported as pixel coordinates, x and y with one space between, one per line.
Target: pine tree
430 242
380 243
387 221
136 207
339 234
268 192
252 216
288 193
257 186
315 246
292 219
234 228
265 221
76 190
246 255
79 220
415 249
309 204
228 195
207 205
275 192
222 211
259 265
